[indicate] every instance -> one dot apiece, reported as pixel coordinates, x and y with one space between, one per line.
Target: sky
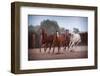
67 22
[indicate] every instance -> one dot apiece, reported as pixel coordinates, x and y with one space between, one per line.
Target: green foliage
50 26
30 28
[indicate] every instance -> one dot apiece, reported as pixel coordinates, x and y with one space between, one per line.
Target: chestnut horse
45 40
61 40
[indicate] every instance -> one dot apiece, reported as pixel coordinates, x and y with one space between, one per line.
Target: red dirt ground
78 52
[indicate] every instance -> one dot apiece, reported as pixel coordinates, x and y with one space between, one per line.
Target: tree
33 39
30 28
50 26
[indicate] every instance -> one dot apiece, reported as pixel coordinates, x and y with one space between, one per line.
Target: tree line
51 27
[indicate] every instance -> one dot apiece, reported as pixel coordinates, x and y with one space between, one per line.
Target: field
78 52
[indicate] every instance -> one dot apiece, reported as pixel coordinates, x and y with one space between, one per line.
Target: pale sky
67 22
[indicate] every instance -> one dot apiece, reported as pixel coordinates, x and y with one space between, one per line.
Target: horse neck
44 35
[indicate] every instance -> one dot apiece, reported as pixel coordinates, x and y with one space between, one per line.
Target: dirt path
78 52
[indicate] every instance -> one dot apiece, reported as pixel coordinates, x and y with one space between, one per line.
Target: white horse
75 39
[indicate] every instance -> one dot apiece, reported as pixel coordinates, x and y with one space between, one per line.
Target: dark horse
61 40
45 40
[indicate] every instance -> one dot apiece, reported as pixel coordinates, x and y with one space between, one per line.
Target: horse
67 37
60 40
45 40
75 39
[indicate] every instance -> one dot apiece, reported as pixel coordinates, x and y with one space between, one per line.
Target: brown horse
45 40
61 40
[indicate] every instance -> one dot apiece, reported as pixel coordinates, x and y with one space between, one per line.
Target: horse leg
68 46
78 42
53 48
65 46
58 49
46 46
50 47
40 49
71 46
42 46
75 45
